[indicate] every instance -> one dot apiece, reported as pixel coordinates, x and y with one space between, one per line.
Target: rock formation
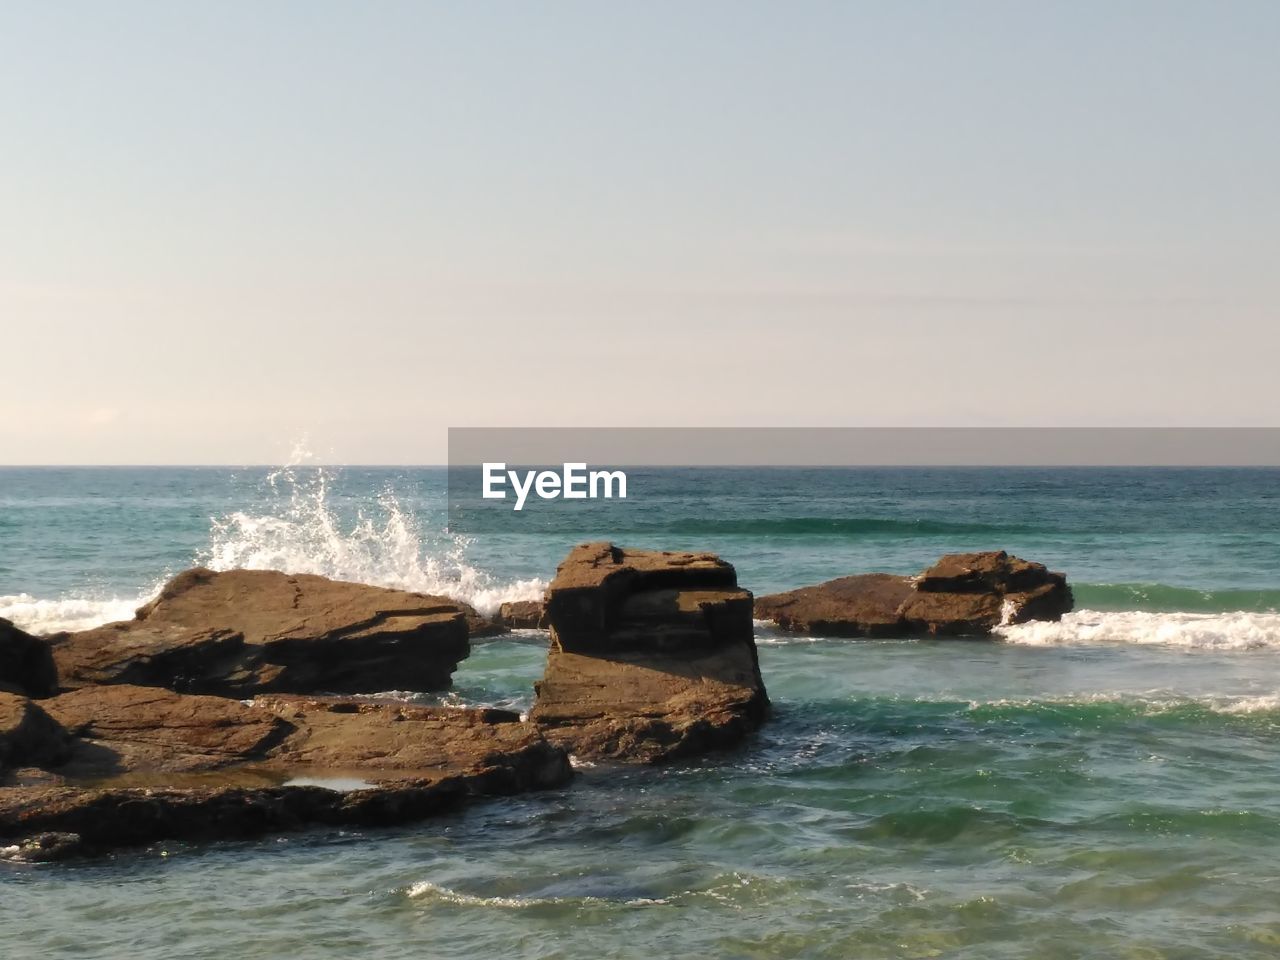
244 632
652 656
963 594
521 615
126 764
147 731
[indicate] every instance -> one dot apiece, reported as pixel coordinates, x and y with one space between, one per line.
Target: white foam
68 613
770 634
300 532
1200 631
425 889
1268 703
1148 702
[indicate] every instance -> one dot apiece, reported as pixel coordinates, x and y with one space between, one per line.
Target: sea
1107 786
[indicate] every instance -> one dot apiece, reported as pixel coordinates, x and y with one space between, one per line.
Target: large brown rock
26 663
866 605
652 656
148 764
92 819
390 741
968 594
152 732
243 632
963 594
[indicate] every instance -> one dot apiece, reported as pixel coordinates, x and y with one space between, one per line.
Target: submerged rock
652 656
243 632
110 816
26 663
42 848
963 594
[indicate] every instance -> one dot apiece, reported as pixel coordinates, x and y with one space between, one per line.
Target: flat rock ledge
243 632
121 765
962 595
652 656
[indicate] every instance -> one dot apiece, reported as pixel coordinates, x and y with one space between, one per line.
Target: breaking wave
299 526
301 530
69 613
726 888
1242 630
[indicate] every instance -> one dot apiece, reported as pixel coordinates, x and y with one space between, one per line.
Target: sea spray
297 523
299 529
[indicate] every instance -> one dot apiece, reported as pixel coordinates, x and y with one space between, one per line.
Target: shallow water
1108 787
908 800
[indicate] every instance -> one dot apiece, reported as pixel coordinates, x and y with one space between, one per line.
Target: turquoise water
1108 787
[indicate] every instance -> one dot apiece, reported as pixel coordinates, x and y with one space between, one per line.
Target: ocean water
1104 787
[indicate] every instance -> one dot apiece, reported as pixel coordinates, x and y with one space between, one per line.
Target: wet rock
479 626
963 594
42 848
26 663
244 632
968 594
106 817
652 656
521 615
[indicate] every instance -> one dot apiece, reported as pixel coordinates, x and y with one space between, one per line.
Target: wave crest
301 531
1241 630
68 613
299 526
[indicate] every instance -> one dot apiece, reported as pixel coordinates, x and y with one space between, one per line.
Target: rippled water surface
908 800
1105 787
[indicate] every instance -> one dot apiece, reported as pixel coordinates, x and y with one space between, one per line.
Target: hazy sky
226 227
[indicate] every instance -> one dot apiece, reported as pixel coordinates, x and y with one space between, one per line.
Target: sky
230 229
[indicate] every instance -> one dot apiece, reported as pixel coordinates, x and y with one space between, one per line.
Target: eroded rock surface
243 632
389 740
963 594
150 731
652 656
137 764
